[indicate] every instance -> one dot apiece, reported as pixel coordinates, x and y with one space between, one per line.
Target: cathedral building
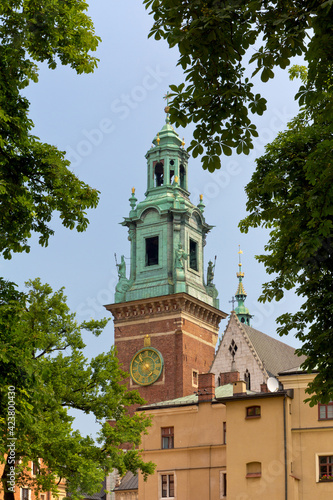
166 326
166 311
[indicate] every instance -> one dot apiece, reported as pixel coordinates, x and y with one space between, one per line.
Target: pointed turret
242 312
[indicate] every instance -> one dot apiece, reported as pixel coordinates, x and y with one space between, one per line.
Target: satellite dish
272 384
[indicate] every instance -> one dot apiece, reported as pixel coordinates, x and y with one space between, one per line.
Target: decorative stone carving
123 283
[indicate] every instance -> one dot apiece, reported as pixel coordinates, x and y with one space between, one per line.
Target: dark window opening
233 348
326 468
242 320
247 379
34 468
224 432
224 486
168 486
172 171
159 174
25 494
167 436
253 412
193 255
182 175
152 251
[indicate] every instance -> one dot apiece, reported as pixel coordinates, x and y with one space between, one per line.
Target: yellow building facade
26 490
241 445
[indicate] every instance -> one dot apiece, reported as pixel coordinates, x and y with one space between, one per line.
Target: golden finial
167 108
201 197
183 142
146 341
158 138
133 190
240 274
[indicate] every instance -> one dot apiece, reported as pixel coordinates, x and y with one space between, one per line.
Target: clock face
146 366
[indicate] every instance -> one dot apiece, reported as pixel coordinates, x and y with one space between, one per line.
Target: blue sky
106 122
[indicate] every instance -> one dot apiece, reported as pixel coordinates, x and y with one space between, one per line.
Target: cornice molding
166 305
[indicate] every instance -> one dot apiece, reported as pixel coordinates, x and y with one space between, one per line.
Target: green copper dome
166 230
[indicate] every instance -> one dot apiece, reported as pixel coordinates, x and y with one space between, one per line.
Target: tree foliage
291 193
214 39
41 357
34 177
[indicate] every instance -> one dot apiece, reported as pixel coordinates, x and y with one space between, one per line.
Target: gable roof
275 355
272 356
128 482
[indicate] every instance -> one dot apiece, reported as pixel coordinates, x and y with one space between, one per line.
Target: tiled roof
297 369
128 482
274 354
223 391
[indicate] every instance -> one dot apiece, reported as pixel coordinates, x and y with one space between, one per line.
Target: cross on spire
167 108
233 300
167 98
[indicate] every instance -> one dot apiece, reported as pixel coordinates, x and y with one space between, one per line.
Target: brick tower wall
185 336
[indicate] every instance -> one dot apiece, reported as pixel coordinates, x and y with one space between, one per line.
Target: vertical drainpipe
285 449
210 464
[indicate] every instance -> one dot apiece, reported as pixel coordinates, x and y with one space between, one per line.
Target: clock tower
166 311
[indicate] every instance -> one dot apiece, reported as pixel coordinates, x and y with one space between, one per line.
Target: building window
247 380
24 493
159 174
152 251
233 348
195 376
253 412
35 468
172 171
167 435
253 469
223 484
224 433
193 255
168 485
182 176
325 412
326 468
